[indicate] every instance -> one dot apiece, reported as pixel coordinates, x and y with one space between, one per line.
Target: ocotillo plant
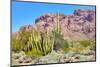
39 44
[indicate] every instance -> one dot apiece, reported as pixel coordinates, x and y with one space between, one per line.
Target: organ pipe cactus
42 43
58 24
58 36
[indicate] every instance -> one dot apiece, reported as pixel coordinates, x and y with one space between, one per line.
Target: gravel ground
54 57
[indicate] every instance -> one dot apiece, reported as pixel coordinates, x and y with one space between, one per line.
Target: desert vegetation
34 46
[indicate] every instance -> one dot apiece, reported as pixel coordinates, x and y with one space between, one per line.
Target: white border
5 33
89 2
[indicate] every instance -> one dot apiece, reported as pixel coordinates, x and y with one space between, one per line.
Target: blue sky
24 13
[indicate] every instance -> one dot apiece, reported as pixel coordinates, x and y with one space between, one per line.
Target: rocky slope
77 26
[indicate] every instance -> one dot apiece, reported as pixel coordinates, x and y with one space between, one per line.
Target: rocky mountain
77 26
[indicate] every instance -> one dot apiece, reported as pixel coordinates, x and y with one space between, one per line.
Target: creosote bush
16 44
20 40
86 43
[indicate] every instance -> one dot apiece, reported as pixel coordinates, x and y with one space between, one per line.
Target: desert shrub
77 49
16 44
87 43
66 50
93 44
83 46
33 53
20 41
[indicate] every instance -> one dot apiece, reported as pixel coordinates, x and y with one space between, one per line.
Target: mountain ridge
77 26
